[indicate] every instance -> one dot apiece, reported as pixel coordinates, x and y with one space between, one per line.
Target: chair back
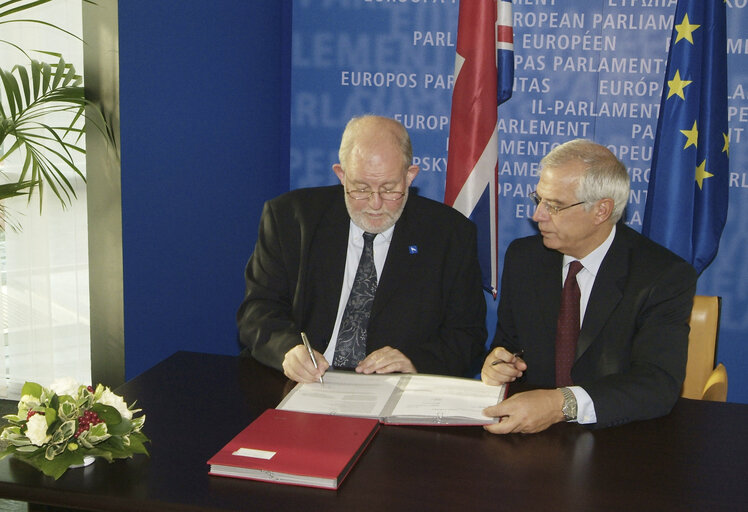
702 344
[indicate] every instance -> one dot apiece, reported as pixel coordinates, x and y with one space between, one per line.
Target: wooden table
696 458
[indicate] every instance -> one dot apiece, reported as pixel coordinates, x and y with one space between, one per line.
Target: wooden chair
704 381
715 388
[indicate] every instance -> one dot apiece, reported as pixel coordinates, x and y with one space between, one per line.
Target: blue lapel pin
413 249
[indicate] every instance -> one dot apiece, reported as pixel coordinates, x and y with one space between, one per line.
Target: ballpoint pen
311 353
516 354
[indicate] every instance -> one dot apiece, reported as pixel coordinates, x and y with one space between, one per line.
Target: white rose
36 430
28 402
116 401
65 386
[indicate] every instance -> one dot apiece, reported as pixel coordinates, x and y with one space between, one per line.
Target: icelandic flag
484 76
688 190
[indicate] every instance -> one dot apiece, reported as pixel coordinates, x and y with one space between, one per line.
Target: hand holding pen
308 347
515 356
502 366
303 364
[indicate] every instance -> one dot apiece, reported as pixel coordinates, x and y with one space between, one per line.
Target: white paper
397 398
444 397
343 394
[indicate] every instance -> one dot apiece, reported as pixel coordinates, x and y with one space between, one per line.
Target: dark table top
696 458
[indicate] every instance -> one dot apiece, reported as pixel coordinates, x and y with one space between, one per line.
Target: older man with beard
379 281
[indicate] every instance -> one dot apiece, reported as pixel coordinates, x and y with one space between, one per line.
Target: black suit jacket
429 302
632 348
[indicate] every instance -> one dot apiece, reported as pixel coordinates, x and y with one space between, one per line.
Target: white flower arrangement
56 427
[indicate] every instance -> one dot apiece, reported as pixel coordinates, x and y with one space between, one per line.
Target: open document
405 399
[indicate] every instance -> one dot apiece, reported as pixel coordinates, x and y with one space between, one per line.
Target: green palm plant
30 96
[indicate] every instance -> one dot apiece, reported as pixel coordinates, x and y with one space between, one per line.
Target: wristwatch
570 405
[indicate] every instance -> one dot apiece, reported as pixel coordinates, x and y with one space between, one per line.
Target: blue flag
689 179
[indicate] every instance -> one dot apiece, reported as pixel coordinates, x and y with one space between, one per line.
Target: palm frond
10 7
25 97
13 6
8 190
15 189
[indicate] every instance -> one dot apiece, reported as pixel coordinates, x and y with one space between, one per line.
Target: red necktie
567 327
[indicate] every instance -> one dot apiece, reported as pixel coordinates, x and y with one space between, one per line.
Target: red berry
31 413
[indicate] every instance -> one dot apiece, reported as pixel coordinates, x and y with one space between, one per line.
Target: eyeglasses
385 195
552 210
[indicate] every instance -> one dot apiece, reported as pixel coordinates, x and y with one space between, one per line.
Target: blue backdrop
205 118
204 144
591 69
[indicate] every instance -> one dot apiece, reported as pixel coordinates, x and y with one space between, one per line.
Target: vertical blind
44 299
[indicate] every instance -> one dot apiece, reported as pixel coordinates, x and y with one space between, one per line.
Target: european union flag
689 180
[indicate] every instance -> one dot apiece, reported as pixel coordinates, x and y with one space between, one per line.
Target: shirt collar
356 233
593 260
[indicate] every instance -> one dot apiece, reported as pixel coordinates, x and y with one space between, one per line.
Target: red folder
316 450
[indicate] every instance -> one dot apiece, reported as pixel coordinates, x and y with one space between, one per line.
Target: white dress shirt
586 279
355 248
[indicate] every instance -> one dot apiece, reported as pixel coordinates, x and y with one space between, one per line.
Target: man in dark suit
428 311
634 296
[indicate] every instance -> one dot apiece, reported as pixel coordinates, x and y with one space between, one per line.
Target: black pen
311 353
516 354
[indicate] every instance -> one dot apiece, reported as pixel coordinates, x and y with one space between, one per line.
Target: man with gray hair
591 312
380 280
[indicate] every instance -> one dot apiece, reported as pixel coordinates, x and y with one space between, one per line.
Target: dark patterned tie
567 327
351 344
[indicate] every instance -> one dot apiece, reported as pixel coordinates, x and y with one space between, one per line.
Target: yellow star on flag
677 85
701 174
726 147
692 136
685 30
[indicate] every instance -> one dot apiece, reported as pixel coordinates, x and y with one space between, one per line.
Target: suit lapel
327 255
400 265
546 283
606 292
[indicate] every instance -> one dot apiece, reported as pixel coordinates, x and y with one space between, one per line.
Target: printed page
344 394
448 400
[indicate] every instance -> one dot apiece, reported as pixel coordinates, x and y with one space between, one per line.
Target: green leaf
125 426
36 90
28 448
109 414
137 443
32 388
64 432
16 189
98 433
30 4
55 467
53 450
68 411
137 423
50 415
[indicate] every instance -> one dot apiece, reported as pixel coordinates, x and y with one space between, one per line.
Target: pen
311 353
516 354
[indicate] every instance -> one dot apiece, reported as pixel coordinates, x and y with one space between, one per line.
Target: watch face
569 413
569 410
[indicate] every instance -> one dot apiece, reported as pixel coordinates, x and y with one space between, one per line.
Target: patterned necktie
351 344
567 327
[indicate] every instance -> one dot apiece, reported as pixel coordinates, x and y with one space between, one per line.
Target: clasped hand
298 366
